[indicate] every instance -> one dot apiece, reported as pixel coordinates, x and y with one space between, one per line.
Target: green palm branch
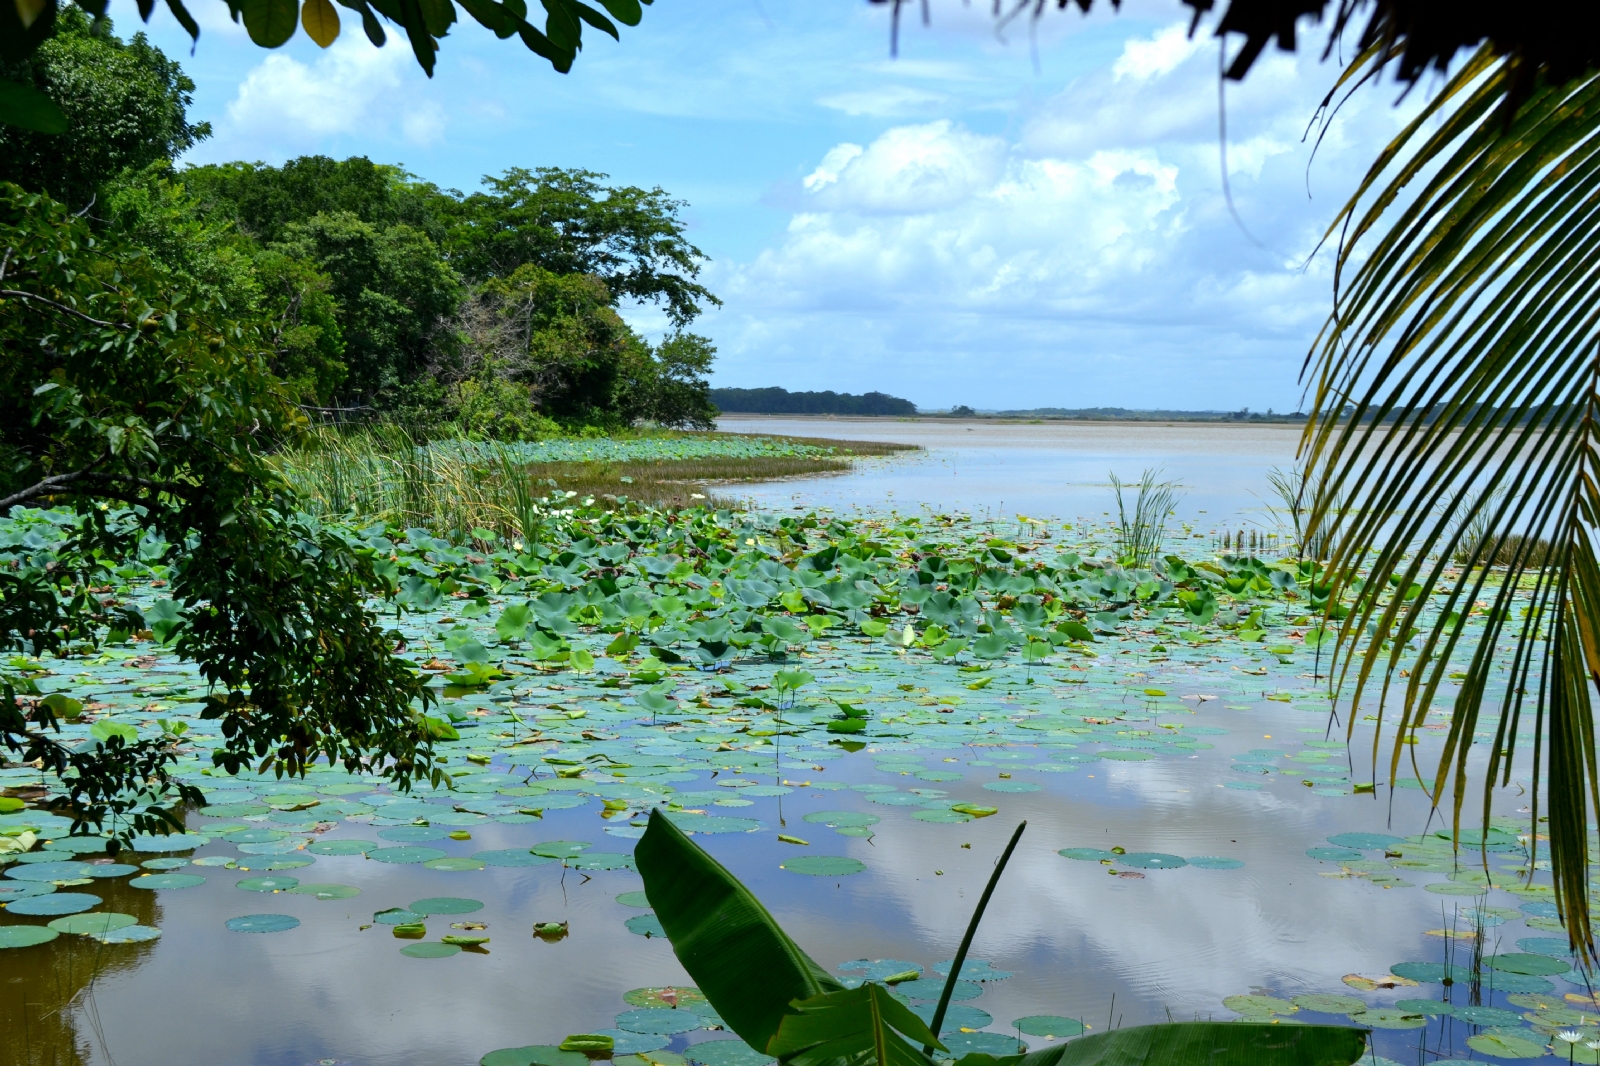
1456 415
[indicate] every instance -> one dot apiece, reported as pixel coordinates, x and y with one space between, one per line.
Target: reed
1139 534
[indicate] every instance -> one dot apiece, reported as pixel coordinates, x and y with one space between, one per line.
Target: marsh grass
382 472
1139 534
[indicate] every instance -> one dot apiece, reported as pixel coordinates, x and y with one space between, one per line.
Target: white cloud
907 169
350 89
1154 56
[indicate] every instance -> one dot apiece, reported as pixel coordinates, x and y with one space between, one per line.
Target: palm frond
1456 414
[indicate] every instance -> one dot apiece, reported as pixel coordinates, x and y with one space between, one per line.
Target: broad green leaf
1198 1044
28 108
862 1026
791 680
733 950
105 729
269 22
513 622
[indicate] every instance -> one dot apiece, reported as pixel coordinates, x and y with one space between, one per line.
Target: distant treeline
776 401
1123 414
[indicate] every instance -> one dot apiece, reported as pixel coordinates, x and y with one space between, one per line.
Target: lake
1046 470
1195 780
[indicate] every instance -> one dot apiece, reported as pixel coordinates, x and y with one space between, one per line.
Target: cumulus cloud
1095 235
350 89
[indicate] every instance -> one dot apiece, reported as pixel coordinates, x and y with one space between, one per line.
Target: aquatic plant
1139 535
778 1000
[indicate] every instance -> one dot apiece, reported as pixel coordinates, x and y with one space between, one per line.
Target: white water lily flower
1571 1036
1592 1045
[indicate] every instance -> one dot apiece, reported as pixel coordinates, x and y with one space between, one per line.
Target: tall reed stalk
1140 534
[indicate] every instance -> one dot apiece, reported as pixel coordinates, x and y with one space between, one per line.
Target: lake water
1085 748
1045 470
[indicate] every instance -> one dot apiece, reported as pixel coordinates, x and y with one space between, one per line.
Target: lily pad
1507 1046
405 854
1215 862
972 970
455 863
413 834
326 891
659 1021
25 936
263 923
937 817
398 916
270 883
1526 963
726 1053
131 934
430 950
513 857
634 899
93 923
997 1044
1365 841
154 881
1011 786
929 988
835 819
1389 1018
341 847
534 1055
53 904
1049 1026
445 905
1324 854
1088 854
823 865
1257 1006
1329 1004
645 925
1152 860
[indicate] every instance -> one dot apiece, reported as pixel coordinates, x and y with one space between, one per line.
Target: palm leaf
1456 416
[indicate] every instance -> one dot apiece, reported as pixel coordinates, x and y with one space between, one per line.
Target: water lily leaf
863 1024
659 1021
92 923
823 865
1526 963
534 1055
1329 1004
52 904
1256 1006
25 936
405 854
430 950
445 905
1049 1026
1208 1044
1507 1046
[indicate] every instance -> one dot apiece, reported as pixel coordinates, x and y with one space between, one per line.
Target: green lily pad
341 847
455 863
634 899
513 857
25 936
93 923
1152 860
413 834
262 923
1257 1006
131 934
270 883
726 1053
835 819
326 891
405 854
1215 862
823 865
1088 854
659 1021
534 1055
1119 755
560 849
1507 1046
445 905
1526 963
645 925
430 950
398 916
1329 1004
939 817
1011 786
53 904
154 881
929 988
1049 1026
1389 1018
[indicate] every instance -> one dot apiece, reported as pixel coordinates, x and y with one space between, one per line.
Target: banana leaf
738 956
855 1026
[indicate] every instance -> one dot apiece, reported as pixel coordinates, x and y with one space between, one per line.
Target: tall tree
567 222
126 106
263 200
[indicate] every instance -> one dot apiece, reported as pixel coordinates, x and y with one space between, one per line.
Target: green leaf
28 108
270 22
582 660
1199 1044
62 706
872 627
733 950
104 730
862 1026
439 729
626 12
1076 630
164 619
991 646
791 680
622 644
513 622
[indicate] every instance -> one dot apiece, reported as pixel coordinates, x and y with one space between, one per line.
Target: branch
63 308
55 483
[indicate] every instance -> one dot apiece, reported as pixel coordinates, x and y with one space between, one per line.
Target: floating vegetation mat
892 680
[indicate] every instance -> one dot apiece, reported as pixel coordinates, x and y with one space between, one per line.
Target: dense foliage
776 401
131 392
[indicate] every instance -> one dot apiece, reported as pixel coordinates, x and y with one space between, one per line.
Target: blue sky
978 221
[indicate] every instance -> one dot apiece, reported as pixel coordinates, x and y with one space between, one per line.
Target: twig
63 308
55 482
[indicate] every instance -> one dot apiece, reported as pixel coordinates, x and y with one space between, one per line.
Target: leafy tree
682 395
566 222
133 396
395 295
264 200
126 106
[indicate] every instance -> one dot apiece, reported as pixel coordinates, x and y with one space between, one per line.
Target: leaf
872 627
861 1026
582 660
62 706
1199 1044
626 12
270 23
28 108
622 644
105 729
164 619
1076 630
736 954
439 729
991 646
320 20
513 622
792 680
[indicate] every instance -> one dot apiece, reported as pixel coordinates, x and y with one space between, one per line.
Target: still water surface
1080 941
1050 469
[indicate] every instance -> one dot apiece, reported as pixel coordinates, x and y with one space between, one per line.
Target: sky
1005 220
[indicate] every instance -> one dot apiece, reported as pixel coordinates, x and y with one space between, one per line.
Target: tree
566 222
394 293
125 103
132 396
